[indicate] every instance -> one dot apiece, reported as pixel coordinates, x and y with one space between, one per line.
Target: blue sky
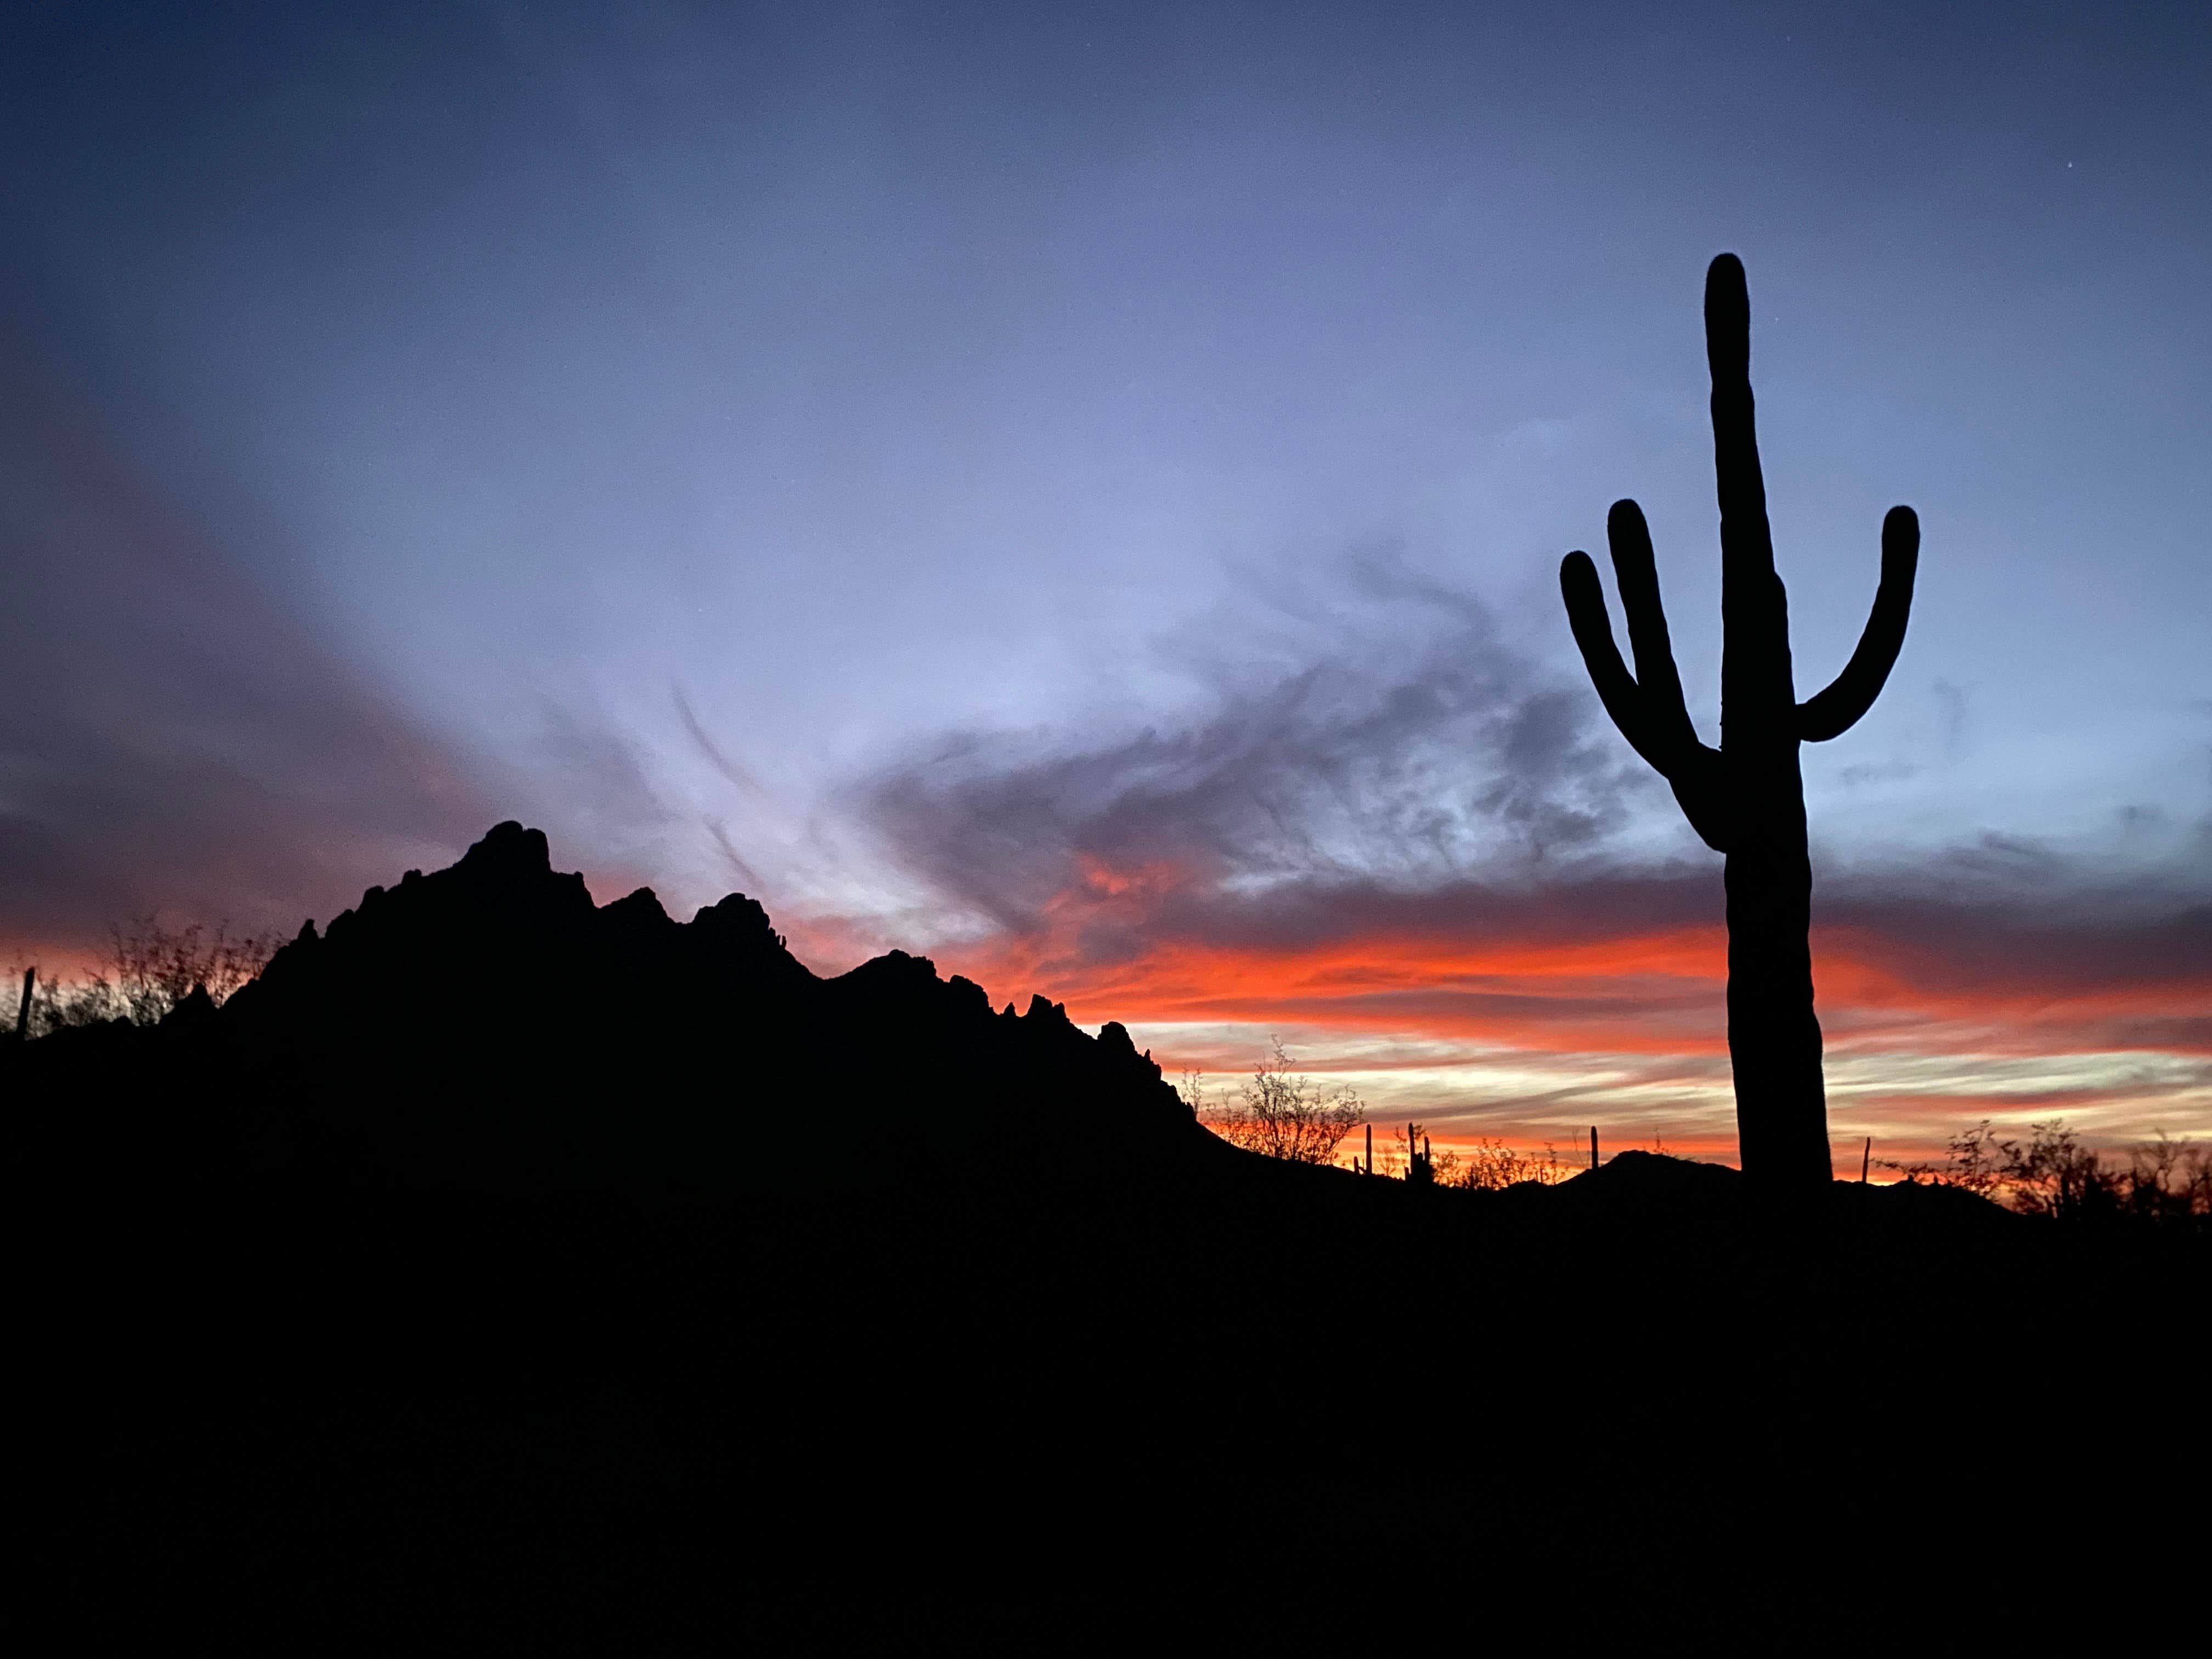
708 431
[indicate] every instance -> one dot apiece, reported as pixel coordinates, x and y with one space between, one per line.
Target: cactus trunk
1774 1037
1746 798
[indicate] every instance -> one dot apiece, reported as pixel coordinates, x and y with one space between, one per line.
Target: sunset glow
1084 502
1530 1040
872 827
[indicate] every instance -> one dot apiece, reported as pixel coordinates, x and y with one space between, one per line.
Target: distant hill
505 1273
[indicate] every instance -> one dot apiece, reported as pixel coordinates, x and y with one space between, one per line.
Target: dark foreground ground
850 1315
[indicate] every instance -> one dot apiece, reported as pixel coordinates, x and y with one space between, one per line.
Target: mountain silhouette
505 1271
488 1025
599 1042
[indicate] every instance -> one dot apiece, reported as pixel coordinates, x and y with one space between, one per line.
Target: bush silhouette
1277 1115
148 969
2051 1174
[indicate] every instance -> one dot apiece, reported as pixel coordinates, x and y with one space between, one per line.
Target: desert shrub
1278 1113
147 970
2051 1174
1489 1165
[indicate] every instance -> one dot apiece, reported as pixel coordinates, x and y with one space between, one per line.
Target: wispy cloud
1416 837
1421 745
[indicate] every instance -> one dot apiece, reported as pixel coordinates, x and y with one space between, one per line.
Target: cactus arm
1593 630
1831 713
1667 718
1668 743
1670 740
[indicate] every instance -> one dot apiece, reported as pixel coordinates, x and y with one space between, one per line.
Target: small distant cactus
1420 1168
1746 799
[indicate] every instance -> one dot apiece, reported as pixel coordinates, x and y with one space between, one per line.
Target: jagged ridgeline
489 1023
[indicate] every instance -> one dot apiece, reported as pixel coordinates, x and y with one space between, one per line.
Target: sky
1079 493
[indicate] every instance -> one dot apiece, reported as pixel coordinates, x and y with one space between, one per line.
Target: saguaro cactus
1746 799
1421 1168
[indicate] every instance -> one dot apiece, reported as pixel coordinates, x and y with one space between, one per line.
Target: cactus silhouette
1746 799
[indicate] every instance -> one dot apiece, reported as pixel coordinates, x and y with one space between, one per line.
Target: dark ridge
505 1273
567 1042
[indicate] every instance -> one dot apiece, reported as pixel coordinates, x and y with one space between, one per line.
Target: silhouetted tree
1973 1161
2051 1174
2170 1180
1278 1115
2055 1174
1745 800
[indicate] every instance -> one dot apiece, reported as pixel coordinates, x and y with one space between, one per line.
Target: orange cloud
1564 985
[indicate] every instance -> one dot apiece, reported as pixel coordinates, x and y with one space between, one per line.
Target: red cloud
1544 971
